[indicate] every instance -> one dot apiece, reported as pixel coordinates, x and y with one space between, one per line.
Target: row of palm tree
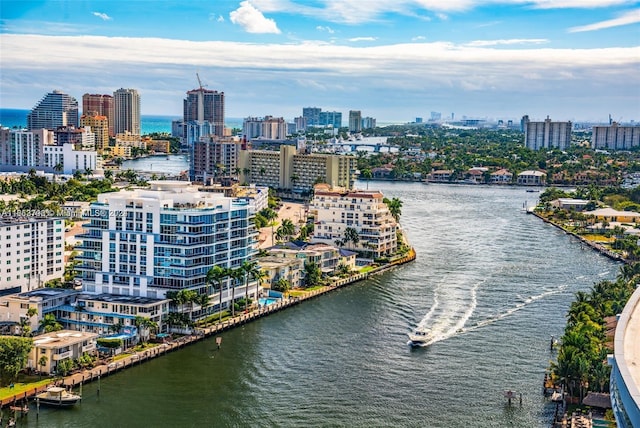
217 275
581 362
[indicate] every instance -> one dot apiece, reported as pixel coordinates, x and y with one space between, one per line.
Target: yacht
57 396
419 338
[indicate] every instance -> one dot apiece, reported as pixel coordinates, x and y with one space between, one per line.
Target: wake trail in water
447 324
512 310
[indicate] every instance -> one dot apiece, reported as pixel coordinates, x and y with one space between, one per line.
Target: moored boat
57 396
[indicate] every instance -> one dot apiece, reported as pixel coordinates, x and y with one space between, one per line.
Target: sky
393 60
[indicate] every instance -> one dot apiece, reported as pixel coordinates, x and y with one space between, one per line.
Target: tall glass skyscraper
56 109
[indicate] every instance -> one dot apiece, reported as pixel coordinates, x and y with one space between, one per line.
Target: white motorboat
57 396
420 338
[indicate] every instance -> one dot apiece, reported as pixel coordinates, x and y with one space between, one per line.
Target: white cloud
252 20
358 11
577 4
220 18
102 16
482 43
631 17
441 16
418 38
215 17
363 39
327 29
262 79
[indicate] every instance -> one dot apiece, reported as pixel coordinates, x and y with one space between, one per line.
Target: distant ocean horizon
11 118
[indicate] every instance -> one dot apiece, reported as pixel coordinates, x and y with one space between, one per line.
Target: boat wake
445 327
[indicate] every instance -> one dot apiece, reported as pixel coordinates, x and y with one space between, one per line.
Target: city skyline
570 59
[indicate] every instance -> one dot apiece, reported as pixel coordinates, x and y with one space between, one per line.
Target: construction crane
200 82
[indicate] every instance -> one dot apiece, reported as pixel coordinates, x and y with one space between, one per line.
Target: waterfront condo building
547 134
100 105
31 251
126 110
54 110
337 209
214 157
288 170
22 148
58 346
99 125
331 119
355 121
147 242
615 137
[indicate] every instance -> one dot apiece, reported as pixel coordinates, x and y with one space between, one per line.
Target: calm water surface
492 282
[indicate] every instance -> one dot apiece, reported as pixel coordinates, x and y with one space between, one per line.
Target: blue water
150 123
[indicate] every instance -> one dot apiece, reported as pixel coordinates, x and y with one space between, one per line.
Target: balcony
89 347
62 356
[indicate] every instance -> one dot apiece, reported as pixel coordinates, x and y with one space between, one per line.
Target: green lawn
19 388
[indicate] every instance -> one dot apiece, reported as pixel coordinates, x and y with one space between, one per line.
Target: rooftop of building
38 216
61 338
324 189
44 293
120 299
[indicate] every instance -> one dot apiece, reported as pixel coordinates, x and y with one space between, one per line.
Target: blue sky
392 59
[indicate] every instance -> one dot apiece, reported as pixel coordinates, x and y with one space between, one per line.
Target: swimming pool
264 301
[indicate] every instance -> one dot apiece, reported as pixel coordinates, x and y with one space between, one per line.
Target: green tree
145 327
14 352
49 323
42 361
351 235
64 366
395 207
286 230
312 274
216 275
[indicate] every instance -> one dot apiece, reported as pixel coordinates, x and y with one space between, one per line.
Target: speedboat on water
419 338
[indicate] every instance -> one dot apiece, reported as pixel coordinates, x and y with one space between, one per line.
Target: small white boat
57 396
419 338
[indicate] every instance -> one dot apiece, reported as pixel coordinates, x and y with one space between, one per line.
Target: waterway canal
493 282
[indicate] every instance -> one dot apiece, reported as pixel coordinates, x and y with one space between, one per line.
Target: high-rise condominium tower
126 103
355 121
103 105
204 105
54 110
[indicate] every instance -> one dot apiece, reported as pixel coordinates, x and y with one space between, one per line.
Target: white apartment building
72 160
22 150
336 209
269 127
31 251
146 242
547 134
615 137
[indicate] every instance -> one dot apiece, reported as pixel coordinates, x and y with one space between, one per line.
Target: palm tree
350 234
216 275
49 323
146 325
42 361
248 269
395 207
259 275
367 175
237 274
286 229
57 169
